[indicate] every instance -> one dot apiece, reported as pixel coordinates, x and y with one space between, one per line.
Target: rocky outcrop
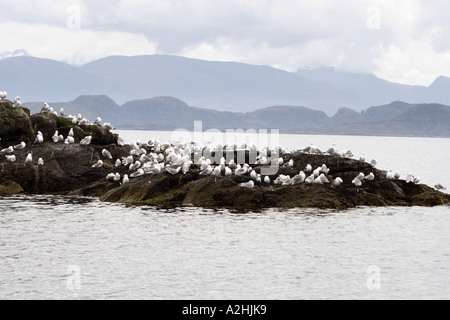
193 189
17 125
68 169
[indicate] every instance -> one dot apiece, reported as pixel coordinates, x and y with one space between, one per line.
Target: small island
95 162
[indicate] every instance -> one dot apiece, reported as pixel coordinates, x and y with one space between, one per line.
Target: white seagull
86 141
39 138
107 154
99 164
248 185
29 158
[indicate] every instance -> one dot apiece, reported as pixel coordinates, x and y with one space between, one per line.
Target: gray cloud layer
402 41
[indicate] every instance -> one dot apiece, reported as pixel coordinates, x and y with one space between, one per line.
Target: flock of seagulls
153 158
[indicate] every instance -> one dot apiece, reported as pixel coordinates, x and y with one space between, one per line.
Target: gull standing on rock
20 146
29 158
370 177
440 187
99 164
11 158
248 185
40 162
3 95
374 163
8 150
107 154
17 103
39 138
86 141
337 182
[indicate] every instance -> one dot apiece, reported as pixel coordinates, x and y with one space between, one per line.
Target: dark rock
15 125
66 167
8 188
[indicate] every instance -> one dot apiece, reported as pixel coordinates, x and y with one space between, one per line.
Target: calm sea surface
66 248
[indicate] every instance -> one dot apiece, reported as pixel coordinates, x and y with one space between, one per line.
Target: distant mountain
222 86
424 120
169 113
90 107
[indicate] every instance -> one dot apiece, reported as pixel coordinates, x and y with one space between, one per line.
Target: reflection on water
192 253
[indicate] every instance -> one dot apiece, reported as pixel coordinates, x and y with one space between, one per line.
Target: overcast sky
400 40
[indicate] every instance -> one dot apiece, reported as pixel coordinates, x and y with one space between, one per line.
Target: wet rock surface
68 169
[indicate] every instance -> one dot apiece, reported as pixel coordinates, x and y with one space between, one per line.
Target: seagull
390 175
363 157
357 182
110 176
254 175
374 163
267 180
83 122
440 187
317 172
62 112
416 180
248 185
107 154
3 95
71 134
310 179
135 166
29 158
318 181
118 163
86 141
173 171
228 172
39 138
308 168
217 171
241 170
8 150
337 182
99 164
117 177
361 177
69 140
40 162
11 158
324 179
98 121
207 172
138 173
125 180
409 178
120 142
17 102
45 108
397 175
370 177
290 164
56 137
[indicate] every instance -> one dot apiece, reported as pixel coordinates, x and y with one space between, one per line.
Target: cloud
75 47
405 41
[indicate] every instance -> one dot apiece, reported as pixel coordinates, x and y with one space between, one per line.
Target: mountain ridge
222 86
169 113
